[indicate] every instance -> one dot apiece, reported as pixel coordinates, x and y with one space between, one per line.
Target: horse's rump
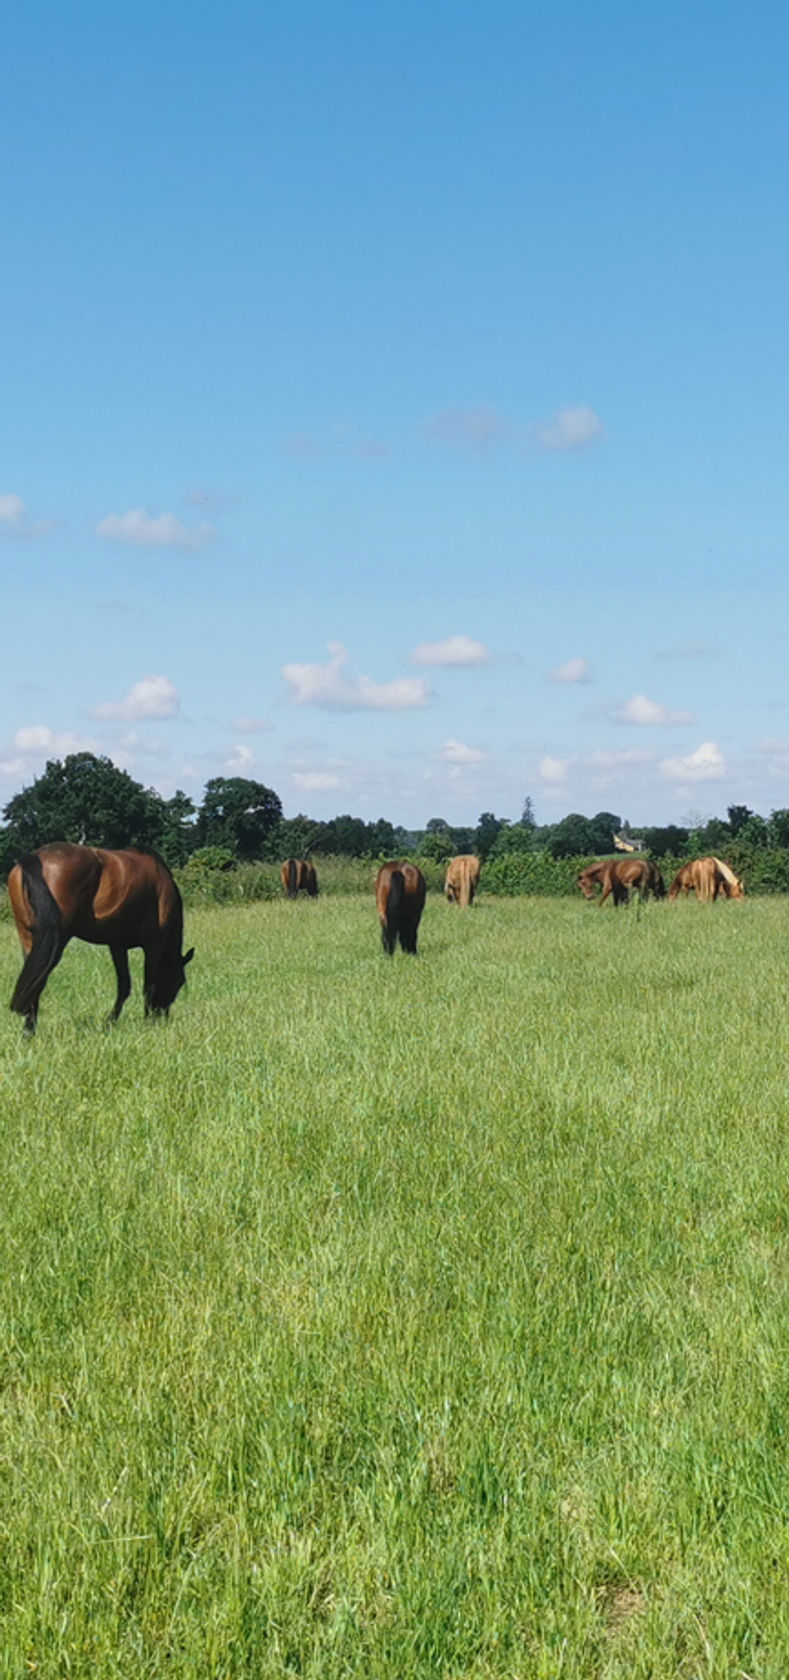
400 892
462 879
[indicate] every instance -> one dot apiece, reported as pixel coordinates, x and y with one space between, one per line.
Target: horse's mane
727 873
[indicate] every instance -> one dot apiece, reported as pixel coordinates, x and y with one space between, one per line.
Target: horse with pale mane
709 878
462 880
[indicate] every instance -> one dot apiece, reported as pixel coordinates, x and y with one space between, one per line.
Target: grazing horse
618 877
116 898
400 899
709 878
462 880
298 875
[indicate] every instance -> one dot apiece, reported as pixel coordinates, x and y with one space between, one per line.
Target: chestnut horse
117 898
298 875
400 899
462 880
618 877
709 878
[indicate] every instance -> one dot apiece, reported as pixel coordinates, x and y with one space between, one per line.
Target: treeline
239 823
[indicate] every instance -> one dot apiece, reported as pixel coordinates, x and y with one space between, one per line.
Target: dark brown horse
117 898
298 875
400 898
618 877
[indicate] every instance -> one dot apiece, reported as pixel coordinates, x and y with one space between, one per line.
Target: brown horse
462 880
400 899
117 898
298 875
618 877
709 878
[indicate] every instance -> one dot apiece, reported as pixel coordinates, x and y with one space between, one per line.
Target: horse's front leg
120 957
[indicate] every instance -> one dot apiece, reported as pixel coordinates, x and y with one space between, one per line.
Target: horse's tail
395 905
49 936
293 878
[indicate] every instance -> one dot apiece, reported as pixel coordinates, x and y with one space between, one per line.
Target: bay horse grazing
709 878
298 875
122 899
462 880
400 892
618 877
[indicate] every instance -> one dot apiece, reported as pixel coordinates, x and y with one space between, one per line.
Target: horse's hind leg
408 932
120 957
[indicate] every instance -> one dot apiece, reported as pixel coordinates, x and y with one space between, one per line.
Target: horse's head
170 978
587 883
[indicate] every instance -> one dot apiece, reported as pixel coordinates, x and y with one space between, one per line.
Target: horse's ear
189 955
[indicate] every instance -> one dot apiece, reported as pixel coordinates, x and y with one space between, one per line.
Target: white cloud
640 709
15 521
454 650
476 427
705 764
241 760
151 697
554 769
37 739
572 671
570 428
316 781
12 511
687 650
146 530
456 752
329 687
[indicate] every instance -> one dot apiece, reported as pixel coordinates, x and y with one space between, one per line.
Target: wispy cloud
316 781
640 709
457 752
151 697
146 530
330 687
454 650
705 764
572 671
687 650
240 761
251 726
38 739
474 428
570 429
620 759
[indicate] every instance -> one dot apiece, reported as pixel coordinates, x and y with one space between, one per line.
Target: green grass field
417 1317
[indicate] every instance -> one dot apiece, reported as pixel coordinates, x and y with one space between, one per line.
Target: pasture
425 1316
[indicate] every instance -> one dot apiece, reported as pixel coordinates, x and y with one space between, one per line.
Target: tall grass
403 1317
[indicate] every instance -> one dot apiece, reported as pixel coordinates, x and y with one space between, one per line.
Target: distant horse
462 880
400 899
709 878
298 875
117 898
618 877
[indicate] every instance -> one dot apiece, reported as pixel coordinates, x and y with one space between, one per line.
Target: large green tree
84 798
240 814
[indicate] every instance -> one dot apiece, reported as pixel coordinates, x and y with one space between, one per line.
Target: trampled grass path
403 1318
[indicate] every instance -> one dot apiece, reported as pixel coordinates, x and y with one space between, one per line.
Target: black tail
293 878
395 905
49 937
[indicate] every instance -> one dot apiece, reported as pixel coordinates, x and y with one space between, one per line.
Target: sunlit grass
401 1317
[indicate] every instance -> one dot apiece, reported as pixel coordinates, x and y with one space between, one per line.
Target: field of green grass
399 1318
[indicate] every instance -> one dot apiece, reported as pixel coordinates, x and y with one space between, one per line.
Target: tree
779 827
178 831
486 834
574 836
87 799
738 816
240 814
665 842
605 825
437 846
527 817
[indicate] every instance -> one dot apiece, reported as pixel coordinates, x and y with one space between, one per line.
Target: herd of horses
127 899
709 878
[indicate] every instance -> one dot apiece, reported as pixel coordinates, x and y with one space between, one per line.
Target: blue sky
394 403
